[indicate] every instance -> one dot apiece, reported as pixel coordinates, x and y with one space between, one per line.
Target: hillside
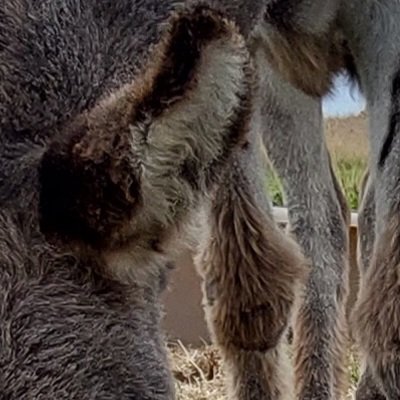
347 137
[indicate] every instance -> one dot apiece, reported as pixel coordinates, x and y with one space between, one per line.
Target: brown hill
347 136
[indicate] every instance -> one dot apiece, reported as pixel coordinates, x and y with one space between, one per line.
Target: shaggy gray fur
76 322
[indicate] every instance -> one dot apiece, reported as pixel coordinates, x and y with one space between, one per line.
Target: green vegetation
348 146
348 171
274 188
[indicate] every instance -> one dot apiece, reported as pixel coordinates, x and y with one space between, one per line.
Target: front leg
318 214
251 276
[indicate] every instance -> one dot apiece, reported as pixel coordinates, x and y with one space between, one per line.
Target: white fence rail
281 216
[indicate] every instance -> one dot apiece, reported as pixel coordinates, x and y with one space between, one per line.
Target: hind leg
293 136
367 388
376 321
375 317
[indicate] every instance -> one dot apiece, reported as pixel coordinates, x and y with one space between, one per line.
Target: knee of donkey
260 326
252 283
249 331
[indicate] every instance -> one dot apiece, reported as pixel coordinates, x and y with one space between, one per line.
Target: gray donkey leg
376 315
293 136
367 388
251 274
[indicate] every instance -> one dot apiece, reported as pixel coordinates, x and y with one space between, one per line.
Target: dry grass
347 137
197 372
347 142
199 376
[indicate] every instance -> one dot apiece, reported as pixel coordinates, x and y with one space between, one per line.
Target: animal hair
300 47
120 122
104 161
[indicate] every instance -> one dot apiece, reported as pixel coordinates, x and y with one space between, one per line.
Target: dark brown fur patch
308 61
86 197
281 12
175 60
394 123
90 188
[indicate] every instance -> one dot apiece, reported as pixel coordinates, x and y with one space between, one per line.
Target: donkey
117 122
300 46
104 162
